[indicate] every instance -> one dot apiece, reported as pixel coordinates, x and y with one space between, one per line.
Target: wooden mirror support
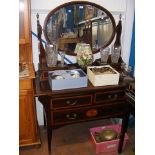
42 55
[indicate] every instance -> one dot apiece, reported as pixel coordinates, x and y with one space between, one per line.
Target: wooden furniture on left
28 130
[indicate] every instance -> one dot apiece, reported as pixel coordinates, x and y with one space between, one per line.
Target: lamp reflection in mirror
84 54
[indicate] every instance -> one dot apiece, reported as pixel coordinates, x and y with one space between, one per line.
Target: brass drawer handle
71 103
114 97
71 116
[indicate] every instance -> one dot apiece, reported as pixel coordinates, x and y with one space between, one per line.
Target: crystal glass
123 66
62 55
123 72
115 53
128 70
51 55
104 55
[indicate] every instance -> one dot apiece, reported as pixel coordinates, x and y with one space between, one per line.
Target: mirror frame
86 3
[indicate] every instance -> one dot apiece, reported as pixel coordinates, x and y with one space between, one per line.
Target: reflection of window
80 13
70 17
80 7
101 32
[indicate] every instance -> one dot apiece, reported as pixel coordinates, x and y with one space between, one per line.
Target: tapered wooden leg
49 135
123 131
44 119
47 118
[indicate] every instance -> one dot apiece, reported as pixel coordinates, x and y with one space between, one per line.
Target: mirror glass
76 22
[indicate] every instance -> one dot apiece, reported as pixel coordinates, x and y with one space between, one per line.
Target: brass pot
108 134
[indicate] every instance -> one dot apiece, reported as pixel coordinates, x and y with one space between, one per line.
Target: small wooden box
103 79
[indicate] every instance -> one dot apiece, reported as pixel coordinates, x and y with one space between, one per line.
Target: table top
43 88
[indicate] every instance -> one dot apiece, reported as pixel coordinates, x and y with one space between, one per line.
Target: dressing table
68 106
84 104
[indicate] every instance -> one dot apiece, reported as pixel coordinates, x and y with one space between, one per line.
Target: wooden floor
75 140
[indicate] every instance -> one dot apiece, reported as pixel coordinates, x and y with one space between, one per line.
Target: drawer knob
71 116
91 113
115 96
71 102
109 96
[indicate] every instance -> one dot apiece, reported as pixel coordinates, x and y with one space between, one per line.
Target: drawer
103 97
74 101
25 84
83 114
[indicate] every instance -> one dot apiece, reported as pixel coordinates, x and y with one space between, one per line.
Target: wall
43 7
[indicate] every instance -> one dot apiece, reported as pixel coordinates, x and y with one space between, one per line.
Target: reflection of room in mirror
100 32
84 22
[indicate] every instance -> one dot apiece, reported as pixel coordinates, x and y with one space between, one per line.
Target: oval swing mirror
79 21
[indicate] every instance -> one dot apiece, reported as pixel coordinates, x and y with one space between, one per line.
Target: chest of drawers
83 104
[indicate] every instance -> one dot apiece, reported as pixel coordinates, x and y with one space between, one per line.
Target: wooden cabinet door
27 121
24 21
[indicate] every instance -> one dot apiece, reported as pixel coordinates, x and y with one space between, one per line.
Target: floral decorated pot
84 55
